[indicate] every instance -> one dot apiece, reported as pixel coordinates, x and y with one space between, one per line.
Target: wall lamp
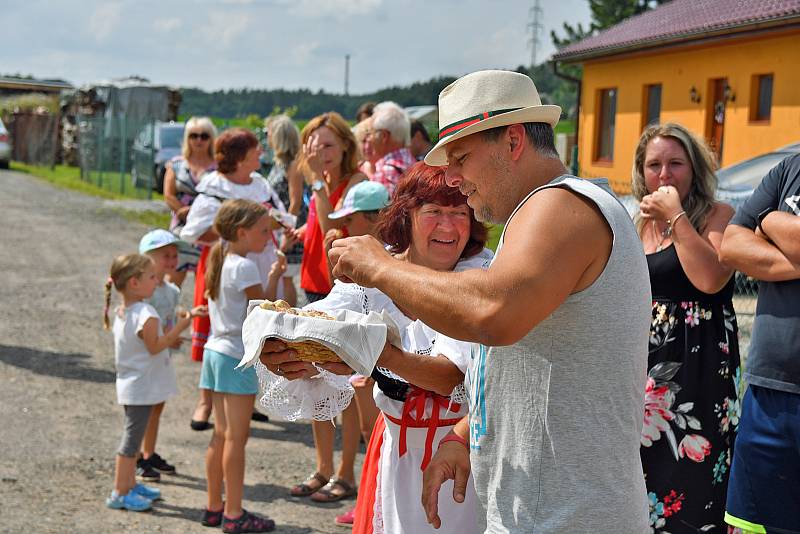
694 96
727 93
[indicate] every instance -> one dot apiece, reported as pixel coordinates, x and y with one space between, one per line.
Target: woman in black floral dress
691 399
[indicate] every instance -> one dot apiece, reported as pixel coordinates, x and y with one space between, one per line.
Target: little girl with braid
145 376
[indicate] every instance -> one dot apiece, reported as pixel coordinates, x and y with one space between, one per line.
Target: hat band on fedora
469 121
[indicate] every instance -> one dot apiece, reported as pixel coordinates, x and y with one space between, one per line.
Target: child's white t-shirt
228 311
142 378
165 300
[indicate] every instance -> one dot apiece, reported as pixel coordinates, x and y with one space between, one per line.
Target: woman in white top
237 154
418 390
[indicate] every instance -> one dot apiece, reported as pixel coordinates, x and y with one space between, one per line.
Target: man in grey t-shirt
559 322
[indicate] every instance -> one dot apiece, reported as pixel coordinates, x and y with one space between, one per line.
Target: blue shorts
764 487
219 374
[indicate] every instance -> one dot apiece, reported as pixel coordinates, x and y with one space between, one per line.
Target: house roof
681 21
33 84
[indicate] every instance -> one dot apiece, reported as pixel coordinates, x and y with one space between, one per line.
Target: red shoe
346 518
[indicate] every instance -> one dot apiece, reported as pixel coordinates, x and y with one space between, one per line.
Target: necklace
664 235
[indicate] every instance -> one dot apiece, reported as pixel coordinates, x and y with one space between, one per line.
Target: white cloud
104 20
303 52
167 25
504 47
226 26
332 8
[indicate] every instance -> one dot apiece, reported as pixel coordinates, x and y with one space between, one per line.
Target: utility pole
534 27
346 74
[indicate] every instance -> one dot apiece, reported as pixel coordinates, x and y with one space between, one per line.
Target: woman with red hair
418 389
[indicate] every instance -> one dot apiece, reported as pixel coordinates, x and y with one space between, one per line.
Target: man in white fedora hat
559 321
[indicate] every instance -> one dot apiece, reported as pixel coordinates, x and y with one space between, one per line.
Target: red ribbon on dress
415 402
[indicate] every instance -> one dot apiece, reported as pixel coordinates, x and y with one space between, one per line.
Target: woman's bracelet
671 223
452 436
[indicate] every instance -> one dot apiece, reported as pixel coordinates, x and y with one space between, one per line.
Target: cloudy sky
221 44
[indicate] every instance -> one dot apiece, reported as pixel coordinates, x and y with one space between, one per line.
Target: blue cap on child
364 196
156 239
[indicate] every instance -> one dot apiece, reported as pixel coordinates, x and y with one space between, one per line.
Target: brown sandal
305 488
327 493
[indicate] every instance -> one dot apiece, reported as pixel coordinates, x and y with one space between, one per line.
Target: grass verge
153 219
109 185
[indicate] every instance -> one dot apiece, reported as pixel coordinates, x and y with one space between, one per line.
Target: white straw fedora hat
487 99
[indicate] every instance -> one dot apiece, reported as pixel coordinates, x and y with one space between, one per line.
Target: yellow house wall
678 71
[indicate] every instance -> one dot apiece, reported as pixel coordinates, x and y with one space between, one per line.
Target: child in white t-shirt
162 247
145 376
233 278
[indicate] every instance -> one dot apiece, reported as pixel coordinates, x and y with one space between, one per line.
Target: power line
535 28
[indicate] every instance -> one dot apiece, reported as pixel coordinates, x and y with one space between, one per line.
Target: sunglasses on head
203 135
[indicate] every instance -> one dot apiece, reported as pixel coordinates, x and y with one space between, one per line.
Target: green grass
106 185
565 126
110 187
153 219
494 236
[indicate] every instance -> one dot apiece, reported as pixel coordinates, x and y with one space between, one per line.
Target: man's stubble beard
500 175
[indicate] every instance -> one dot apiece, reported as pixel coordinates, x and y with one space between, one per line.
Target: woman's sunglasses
204 136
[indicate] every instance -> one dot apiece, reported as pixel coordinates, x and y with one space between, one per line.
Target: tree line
237 103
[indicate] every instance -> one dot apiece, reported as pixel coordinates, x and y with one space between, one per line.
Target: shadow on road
71 366
294 432
164 509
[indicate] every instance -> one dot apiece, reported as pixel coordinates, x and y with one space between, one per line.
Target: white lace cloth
321 398
358 339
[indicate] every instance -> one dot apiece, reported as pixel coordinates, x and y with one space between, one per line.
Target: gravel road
59 420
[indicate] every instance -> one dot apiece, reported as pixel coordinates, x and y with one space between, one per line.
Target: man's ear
516 139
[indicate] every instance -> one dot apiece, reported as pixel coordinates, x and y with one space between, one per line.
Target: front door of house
716 123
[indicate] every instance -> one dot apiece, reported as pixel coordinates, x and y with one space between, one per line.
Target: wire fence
122 155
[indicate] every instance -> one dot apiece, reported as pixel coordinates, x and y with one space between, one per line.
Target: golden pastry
307 351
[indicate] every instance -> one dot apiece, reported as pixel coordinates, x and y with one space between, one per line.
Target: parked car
747 174
5 147
154 146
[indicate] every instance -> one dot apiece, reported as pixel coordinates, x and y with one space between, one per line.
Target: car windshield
171 137
748 174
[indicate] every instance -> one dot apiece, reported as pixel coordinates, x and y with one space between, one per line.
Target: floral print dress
691 401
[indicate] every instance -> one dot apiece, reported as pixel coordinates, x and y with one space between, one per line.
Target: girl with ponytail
231 279
145 376
237 154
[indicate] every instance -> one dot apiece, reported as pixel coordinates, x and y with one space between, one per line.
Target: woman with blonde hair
691 393
182 175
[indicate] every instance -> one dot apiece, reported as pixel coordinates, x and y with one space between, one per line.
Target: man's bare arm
546 257
783 229
743 250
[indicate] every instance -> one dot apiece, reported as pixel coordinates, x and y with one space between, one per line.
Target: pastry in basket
307 351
